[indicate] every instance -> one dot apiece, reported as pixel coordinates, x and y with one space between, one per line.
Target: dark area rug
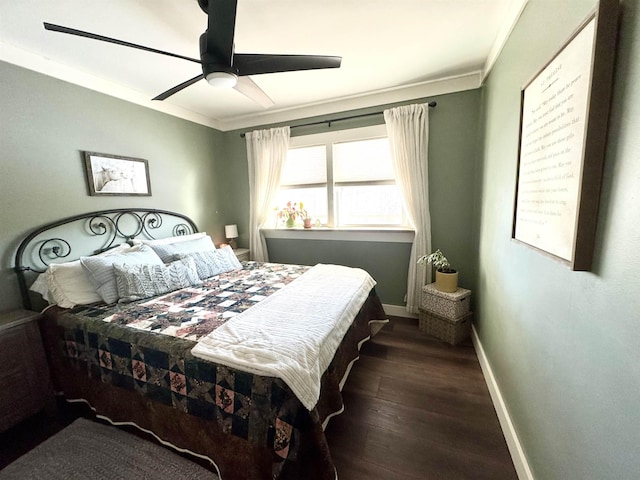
90 450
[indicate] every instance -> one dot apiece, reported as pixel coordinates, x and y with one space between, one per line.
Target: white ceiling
391 50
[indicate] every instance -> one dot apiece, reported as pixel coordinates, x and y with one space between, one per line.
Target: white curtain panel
408 130
266 152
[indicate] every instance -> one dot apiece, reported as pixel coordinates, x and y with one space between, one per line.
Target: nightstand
242 254
24 373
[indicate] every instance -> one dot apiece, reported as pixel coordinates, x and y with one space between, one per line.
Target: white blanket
294 333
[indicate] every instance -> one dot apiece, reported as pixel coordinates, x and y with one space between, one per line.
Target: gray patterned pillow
101 274
210 263
136 282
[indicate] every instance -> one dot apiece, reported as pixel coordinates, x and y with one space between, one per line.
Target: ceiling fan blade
221 27
249 89
256 63
177 88
93 36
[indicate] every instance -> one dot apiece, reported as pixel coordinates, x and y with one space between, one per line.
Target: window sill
390 235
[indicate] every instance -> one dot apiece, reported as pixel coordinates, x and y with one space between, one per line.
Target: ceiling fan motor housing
211 62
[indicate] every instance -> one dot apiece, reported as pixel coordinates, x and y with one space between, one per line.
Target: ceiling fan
221 66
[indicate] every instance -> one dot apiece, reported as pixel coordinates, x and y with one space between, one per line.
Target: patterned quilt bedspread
194 312
152 357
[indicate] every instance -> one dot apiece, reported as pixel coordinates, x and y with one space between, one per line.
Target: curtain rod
329 122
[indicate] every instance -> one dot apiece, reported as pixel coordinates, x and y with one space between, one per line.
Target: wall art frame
115 175
563 131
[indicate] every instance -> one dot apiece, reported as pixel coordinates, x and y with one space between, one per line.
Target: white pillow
168 240
68 285
41 286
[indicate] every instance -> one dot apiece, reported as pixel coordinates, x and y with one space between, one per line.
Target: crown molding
37 63
431 88
31 61
511 19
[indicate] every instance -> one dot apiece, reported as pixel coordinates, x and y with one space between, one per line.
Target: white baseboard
398 311
513 442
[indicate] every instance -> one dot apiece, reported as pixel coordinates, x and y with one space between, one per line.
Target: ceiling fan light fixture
222 79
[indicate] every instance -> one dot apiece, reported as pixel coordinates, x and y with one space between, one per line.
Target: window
304 179
344 179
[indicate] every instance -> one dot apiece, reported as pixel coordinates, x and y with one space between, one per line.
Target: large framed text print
563 130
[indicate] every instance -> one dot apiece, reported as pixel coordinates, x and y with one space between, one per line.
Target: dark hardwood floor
417 408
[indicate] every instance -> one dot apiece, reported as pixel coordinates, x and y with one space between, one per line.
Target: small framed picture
116 175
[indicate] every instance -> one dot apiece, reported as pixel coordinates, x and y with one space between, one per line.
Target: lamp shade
231 231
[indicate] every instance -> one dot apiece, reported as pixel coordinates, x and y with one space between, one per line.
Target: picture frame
114 175
563 131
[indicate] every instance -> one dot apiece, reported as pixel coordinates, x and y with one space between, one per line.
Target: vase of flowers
292 212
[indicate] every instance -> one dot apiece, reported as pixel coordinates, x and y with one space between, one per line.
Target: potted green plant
306 218
446 275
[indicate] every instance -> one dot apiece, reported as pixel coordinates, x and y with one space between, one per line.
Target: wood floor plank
454 403
363 469
415 348
358 468
413 457
365 381
455 433
417 408
453 378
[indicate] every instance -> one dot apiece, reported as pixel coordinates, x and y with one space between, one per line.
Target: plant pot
307 223
446 282
291 222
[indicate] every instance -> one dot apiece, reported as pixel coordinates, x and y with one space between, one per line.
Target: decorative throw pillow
171 252
136 282
101 273
214 262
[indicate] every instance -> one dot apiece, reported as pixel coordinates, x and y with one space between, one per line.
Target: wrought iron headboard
92 232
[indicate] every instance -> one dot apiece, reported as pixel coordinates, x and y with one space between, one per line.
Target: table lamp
231 232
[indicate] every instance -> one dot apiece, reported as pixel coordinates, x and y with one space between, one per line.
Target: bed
238 363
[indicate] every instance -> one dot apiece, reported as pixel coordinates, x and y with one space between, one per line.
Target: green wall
453 138
564 345
46 123
199 171
386 262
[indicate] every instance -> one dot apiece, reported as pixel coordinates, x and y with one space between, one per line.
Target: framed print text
563 126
